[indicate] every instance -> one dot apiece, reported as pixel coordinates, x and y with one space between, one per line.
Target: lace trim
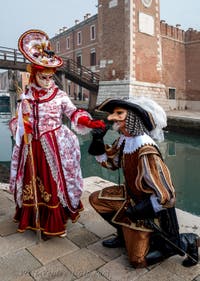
133 143
48 94
53 167
101 158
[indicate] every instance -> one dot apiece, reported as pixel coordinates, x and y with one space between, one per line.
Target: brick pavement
80 256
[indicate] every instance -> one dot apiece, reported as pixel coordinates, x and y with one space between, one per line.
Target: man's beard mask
44 80
134 125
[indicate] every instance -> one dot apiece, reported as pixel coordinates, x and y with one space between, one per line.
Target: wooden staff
28 141
37 213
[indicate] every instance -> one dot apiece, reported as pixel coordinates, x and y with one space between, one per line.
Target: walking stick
37 214
165 237
28 141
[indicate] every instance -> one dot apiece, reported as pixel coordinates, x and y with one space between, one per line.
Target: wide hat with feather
36 47
151 113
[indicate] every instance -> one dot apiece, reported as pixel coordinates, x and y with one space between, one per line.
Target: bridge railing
81 71
8 54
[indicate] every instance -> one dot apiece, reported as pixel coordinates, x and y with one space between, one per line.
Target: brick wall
141 62
112 29
192 65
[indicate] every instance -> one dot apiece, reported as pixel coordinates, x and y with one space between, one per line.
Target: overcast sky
20 15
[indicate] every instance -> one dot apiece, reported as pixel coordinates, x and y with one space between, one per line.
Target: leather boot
154 257
190 243
117 241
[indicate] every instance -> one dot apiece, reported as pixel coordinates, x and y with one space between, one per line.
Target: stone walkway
80 256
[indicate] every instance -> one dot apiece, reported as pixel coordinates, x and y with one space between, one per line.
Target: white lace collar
133 143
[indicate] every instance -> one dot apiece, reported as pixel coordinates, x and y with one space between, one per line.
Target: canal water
180 152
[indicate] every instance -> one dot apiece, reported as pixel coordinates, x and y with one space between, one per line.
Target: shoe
63 235
115 242
45 237
193 242
154 257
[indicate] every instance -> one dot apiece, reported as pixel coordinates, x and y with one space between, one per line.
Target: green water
181 153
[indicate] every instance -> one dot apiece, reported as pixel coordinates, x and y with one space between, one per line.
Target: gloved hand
142 210
97 145
86 121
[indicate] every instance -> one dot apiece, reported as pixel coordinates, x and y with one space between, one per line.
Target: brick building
135 54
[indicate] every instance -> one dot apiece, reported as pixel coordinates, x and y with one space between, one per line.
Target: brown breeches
137 242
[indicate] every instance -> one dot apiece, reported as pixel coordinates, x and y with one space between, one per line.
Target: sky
49 16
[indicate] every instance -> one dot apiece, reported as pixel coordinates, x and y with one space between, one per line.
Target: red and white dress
45 173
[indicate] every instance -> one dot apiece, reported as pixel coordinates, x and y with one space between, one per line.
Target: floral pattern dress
45 175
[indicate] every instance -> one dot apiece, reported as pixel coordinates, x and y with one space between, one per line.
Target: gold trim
132 225
44 204
44 194
101 196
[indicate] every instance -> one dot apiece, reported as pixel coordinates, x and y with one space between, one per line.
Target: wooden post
11 89
63 81
92 101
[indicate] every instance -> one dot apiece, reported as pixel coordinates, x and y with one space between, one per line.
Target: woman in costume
143 209
45 169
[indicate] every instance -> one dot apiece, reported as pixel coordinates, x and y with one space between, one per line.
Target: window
79 38
172 93
93 57
57 47
92 32
68 42
79 60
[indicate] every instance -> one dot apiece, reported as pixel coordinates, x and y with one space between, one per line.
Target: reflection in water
181 153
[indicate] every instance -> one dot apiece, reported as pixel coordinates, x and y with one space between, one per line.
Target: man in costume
143 209
45 169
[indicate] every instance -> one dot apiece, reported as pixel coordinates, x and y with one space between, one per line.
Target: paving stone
160 274
89 215
16 264
54 271
21 259
174 266
188 222
196 278
4 186
92 184
106 254
120 269
82 237
82 262
73 226
25 277
50 250
94 223
16 242
101 228
7 227
93 276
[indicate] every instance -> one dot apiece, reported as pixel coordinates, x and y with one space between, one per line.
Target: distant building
135 53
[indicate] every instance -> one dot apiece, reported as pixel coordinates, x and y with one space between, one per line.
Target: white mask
44 80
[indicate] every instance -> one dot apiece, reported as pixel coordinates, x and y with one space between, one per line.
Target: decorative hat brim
110 104
36 48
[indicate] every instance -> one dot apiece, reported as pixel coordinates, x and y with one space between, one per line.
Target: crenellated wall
181 65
